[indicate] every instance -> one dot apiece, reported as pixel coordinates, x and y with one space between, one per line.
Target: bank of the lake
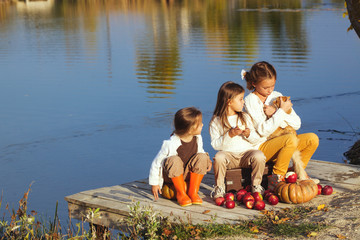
88 89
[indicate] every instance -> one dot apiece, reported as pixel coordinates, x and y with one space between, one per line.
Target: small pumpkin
168 191
299 192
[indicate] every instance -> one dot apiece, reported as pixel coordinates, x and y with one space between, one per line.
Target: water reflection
158 63
89 83
223 31
232 32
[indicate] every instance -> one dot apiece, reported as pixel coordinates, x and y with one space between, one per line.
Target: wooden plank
114 201
339 175
117 193
109 218
206 185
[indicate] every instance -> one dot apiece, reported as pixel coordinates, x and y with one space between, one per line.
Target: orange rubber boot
194 186
181 196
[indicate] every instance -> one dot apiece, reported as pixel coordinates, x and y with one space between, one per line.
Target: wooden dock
114 201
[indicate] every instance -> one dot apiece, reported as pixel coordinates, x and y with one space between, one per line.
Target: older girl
261 81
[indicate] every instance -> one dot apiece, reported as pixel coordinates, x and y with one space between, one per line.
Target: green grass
284 223
145 223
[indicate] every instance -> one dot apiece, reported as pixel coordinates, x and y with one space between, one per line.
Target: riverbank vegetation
353 155
145 223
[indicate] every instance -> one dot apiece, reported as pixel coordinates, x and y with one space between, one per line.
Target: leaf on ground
320 207
167 232
254 229
206 211
312 234
279 221
265 212
340 236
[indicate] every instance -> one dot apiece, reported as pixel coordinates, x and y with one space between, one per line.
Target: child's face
265 87
198 127
236 104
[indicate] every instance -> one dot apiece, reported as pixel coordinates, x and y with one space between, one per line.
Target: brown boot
181 196
194 186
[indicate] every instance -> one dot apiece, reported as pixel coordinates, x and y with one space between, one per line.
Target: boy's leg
308 143
199 164
173 167
256 160
197 168
280 150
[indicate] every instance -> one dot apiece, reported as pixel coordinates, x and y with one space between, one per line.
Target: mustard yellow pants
280 149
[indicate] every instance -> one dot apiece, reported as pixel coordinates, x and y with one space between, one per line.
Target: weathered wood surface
114 201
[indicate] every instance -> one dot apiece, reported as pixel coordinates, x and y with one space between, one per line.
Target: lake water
89 88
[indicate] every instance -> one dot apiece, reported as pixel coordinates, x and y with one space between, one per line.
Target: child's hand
286 105
238 132
269 110
246 132
235 132
155 189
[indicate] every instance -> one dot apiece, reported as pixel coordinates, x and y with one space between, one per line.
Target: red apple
259 205
240 194
249 204
257 196
273 199
248 188
268 191
291 177
327 190
229 196
248 197
220 201
319 189
267 195
230 204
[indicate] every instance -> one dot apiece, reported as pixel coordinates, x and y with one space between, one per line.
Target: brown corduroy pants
174 166
254 159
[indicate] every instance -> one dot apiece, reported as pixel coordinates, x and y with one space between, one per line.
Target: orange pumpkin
168 191
299 192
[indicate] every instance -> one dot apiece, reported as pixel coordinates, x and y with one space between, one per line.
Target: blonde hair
259 72
185 119
227 91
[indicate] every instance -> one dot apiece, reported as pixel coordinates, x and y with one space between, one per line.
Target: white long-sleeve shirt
221 141
168 149
265 127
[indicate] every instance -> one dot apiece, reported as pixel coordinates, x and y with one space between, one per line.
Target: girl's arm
292 120
156 166
219 137
200 144
253 137
264 126
201 150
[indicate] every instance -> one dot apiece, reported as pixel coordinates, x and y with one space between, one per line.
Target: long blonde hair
227 91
